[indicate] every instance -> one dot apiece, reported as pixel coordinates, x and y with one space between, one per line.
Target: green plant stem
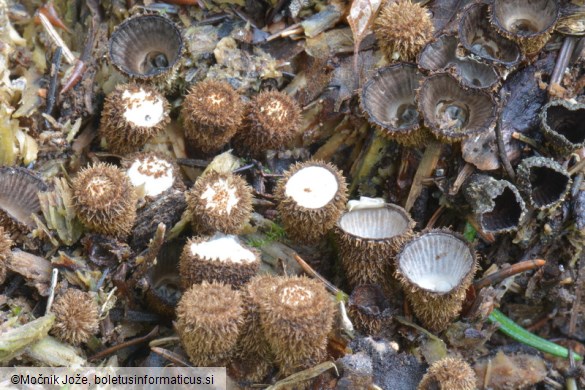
520 334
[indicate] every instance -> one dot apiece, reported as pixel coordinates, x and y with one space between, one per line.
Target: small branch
502 152
56 39
505 273
171 356
51 93
425 169
54 277
314 274
562 62
138 340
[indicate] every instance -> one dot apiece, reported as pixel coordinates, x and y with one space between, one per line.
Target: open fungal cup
563 125
146 47
133 114
480 39
544 181
219 202
435 269
441 55
497 204
19 199
529 23
388 99
368 241
453 112
311 197
222 258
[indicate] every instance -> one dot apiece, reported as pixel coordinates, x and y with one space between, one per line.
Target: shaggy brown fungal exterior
209 321
212 113
311 196
76 317
369 239
105 200
435 270
132 115
218 258
296 319
449 373
402 29
5 254
272 119
219 202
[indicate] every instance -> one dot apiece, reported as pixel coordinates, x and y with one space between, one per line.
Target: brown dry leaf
360 18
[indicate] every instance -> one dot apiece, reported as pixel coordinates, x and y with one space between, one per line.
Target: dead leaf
360 18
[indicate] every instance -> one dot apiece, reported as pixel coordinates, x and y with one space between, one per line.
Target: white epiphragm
374 223
220 194
295 295
144 109
365 203
437 262
156 175
312 187
224 248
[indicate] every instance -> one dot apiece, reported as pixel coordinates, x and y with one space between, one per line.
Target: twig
463 174
292 29
171 356
191 162
56 39
51 93
505 273
576 309
562 62
54 276
502 151
425 169
577 167
138 340
435 216
311 272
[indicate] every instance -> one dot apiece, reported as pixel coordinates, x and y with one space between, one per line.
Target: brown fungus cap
435 269
369 239
19 199
453 112
272 119
209 321
388 99
222 258
132 115
104 200
146 47
296 320
212 113
402 29
219 202
311 198
5 253
449 373
529 23
76 317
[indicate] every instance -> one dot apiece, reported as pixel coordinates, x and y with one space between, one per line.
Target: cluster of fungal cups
451 94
